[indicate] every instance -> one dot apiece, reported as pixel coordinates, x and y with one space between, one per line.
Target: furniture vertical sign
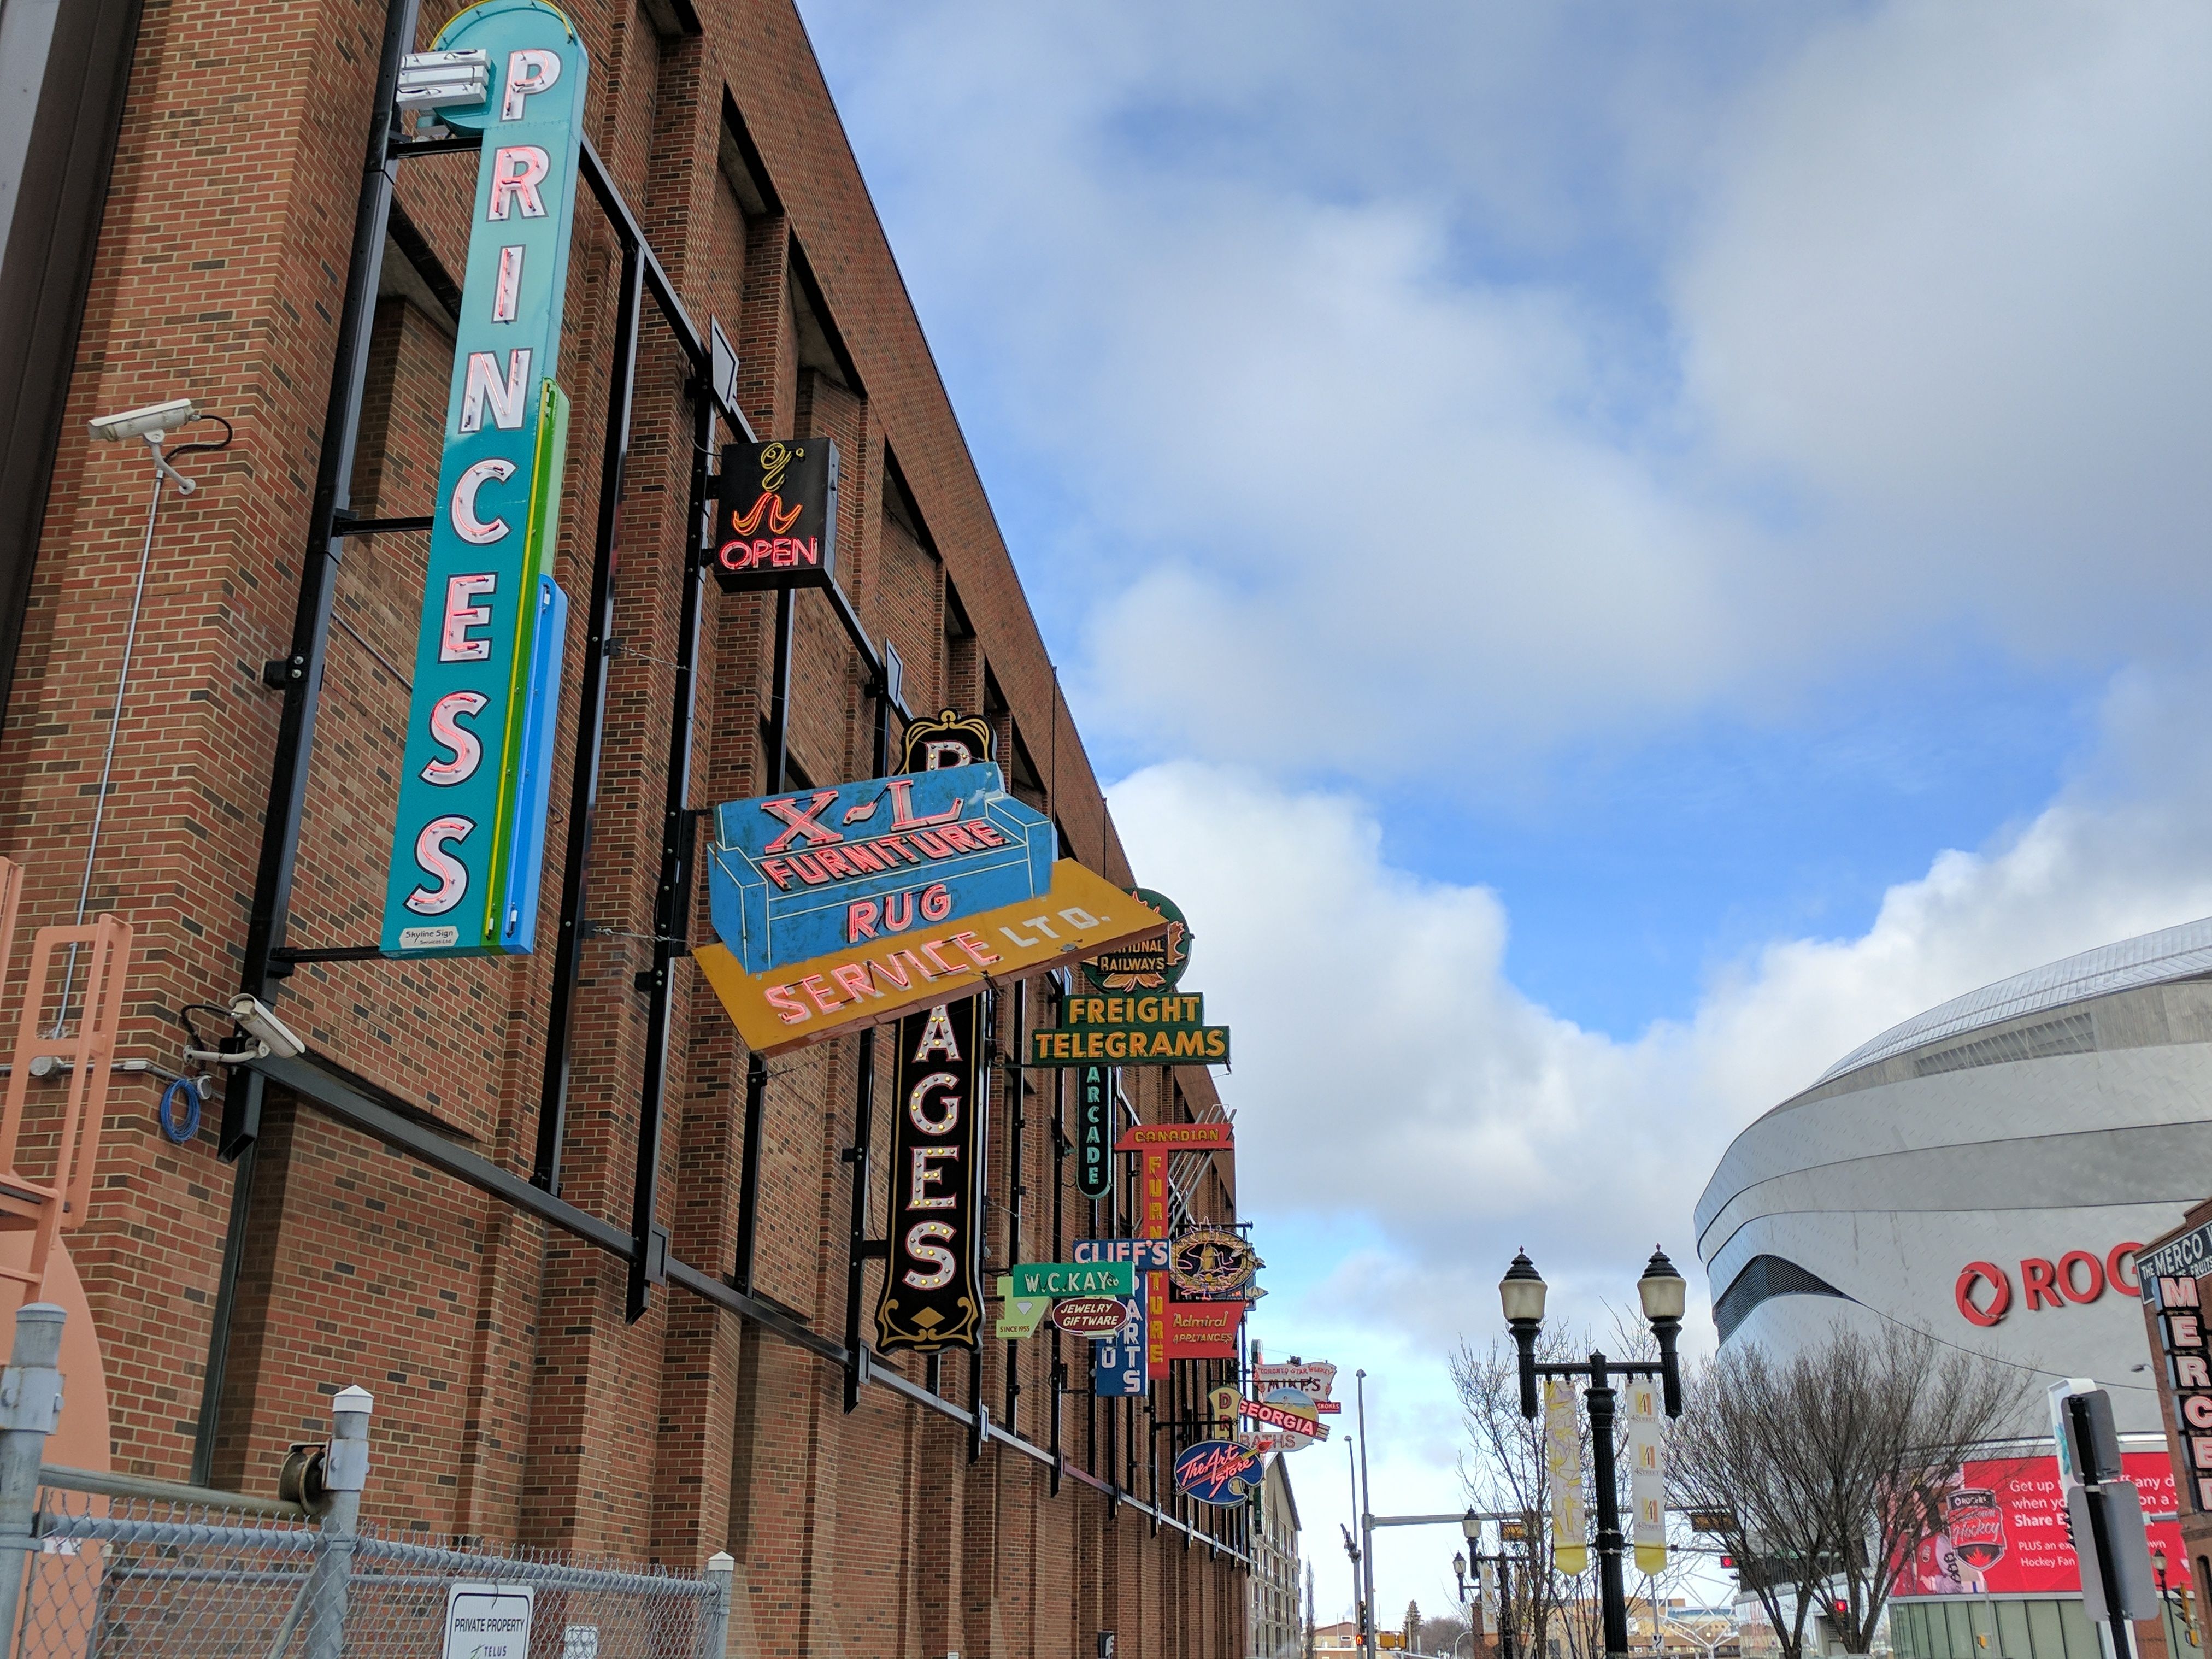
468 842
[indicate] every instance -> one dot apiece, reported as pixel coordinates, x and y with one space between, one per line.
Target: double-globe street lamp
1471 1524
1663 1294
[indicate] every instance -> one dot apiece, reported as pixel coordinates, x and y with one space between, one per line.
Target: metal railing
96 1566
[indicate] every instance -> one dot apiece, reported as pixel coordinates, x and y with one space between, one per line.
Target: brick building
438 1202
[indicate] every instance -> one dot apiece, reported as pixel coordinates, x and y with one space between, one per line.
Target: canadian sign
775 521
882 978
468 840
1092 1316
1156 966
796 875
1064 1279
1218 1472
1178 1137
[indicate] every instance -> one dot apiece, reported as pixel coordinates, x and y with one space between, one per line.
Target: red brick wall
514 1399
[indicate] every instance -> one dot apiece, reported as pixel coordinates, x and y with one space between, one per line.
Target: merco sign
1985 1290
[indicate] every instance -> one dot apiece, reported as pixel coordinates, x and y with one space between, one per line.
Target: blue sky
1614 552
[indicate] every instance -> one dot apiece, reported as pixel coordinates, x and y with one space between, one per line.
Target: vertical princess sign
470 840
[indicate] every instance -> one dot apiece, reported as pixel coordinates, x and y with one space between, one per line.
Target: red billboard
2004 1531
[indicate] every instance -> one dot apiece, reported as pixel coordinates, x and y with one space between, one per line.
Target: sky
1609 553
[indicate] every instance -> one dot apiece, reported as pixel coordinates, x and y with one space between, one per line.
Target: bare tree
1829 1467
1505 1474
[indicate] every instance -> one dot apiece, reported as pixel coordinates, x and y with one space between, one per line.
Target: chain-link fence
109 1567
119 1578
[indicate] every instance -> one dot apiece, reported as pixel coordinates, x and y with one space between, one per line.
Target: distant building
1987 1172
1277 1632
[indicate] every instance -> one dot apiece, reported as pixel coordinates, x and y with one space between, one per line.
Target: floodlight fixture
259 1021
151 421
444 80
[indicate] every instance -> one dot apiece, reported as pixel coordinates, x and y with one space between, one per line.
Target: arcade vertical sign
1095 1105
470 840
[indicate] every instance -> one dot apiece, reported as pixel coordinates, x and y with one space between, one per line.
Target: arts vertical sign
932 1296
469 841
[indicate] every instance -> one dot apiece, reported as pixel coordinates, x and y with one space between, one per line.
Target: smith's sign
798 876
470 839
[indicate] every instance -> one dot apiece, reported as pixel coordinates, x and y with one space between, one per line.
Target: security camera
255 1019
148 423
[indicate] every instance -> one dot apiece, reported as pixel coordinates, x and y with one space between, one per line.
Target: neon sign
470 840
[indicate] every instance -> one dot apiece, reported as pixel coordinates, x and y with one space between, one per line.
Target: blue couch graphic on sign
798 876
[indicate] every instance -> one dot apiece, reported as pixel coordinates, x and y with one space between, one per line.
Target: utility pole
1367 1528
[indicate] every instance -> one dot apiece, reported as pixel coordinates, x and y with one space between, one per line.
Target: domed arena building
1984 1172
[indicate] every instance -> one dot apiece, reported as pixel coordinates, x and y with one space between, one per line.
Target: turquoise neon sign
470 842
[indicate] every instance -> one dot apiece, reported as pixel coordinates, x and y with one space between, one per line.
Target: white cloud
1948 282
1406 1118
1387 1067
1514 378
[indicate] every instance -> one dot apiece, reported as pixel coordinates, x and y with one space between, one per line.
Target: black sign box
775 515
933 1294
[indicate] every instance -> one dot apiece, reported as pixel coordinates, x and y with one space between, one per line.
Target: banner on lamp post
1647 1477
1563 1465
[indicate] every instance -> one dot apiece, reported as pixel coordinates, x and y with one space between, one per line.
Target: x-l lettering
802 822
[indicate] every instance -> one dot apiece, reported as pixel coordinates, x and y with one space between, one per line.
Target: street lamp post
1471 1525
1663 1293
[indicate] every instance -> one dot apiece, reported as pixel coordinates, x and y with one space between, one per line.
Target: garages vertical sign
931 1298
470 835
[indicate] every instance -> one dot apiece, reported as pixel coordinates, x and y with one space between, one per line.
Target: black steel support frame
267 958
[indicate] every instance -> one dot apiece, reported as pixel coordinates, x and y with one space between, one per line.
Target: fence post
345 1472
714 1639
30 1407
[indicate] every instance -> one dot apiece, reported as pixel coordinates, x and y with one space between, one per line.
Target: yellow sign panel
870 983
